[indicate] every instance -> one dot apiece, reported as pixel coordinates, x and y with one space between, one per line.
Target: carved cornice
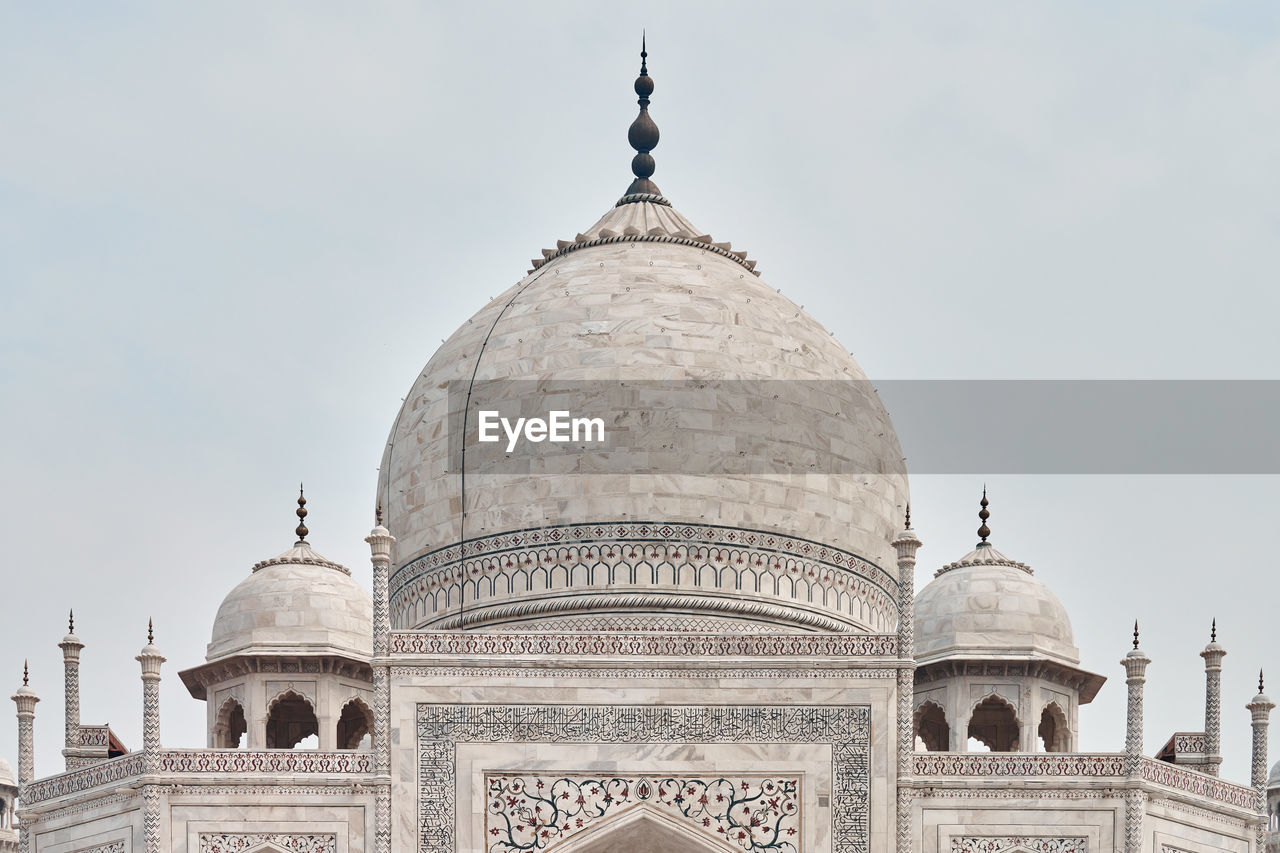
198 679
447 643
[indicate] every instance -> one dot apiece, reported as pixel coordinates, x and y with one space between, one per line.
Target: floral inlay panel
110 847
531 812
1002 843
213 842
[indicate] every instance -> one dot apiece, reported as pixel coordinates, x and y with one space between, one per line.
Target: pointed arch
355 722
931 726
643 829
229 725
290 718
994 722
1054 732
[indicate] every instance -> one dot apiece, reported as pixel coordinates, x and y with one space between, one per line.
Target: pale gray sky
231 235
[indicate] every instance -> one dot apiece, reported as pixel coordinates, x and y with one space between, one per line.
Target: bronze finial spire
983 514
150 632
301 530
908 523
25 674
643 133
377 514
71 621
1213 631
1135 633
1259 681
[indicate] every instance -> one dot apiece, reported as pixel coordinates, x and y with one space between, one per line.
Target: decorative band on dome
633 198
551 254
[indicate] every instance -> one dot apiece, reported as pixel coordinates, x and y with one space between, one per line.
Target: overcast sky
231 235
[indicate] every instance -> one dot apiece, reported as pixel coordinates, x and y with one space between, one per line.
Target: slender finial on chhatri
377 514
908 523
301 529
1135 633
1259 681
643 133
71 621
151 634
983 514
25 674
1213 631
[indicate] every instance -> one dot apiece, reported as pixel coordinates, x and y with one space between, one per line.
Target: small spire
1135 633
25 674
1259 680
983 514
1213 631
377 515
643 133
908 523
301 529
71 621
150 632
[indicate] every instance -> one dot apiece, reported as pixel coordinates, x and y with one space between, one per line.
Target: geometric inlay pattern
528 811
219 842
1002 843
845 728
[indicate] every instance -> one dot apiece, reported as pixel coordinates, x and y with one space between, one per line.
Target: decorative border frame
681 645
845 728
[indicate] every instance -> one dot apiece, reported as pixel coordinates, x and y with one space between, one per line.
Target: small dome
6 774
986 605
296 603
1273 781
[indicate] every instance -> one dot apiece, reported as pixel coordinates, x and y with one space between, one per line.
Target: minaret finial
1135 633
25 674
1213 631
1259 681
151 635
377 514
908 522
301 530
983 514
71 621
643 133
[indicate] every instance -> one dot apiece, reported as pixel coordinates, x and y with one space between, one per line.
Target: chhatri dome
818 479
296 602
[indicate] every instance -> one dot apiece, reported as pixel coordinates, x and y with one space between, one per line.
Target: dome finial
1213 631
71 621
1259 680
301 529
25 674
908 521
643 133
1135 633
151 633
983 514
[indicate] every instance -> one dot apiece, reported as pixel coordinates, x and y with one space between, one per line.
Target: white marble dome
6 774
646 295
297 603
987 606
1273 780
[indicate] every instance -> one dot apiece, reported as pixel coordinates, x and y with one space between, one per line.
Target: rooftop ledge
198 763
1096 765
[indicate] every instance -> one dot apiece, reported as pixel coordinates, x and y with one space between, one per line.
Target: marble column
71 647
25 700
1213 655
1260 707
1135 801
151 659
380 541
906 544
